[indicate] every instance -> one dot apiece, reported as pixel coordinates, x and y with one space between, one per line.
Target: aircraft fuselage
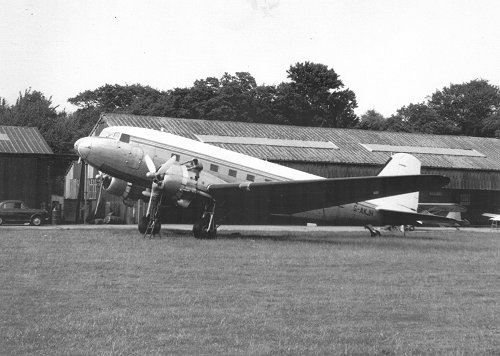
120 152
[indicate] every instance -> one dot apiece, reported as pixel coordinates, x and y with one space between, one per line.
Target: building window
250 177
214 168
177 157
232 173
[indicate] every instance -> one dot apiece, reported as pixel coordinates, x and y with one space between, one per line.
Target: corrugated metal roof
349 142
19 139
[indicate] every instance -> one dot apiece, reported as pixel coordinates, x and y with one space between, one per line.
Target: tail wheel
36 220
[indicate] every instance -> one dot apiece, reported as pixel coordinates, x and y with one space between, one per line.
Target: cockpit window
116 136
107 134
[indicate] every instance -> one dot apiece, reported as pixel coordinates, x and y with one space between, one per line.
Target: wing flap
296 196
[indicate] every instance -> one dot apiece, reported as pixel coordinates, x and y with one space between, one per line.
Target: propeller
160 172
158 176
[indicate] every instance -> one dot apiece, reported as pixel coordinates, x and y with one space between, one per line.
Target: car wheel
1 220
36 220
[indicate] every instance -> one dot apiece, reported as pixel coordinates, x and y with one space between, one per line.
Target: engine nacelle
123 189
178 185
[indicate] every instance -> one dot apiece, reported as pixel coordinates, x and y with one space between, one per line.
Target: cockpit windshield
118 136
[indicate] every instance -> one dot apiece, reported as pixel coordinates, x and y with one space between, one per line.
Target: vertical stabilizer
400 164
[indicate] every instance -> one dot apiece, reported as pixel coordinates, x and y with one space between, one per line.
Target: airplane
494 218
169 171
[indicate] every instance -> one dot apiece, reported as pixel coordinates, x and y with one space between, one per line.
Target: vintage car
15 212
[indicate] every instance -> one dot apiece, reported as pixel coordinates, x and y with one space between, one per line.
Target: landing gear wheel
200 231
157 227
373 232
36 220
197 231
143 224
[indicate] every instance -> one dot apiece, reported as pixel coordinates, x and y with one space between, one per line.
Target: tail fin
401 164
398 165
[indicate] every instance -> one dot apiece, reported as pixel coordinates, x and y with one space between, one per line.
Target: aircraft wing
395 217
295 196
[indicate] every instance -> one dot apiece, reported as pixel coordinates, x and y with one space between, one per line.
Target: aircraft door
135 157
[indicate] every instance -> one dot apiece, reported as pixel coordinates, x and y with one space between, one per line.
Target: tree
5 113
115 98
314 97
491 126
33 109
321 96
467 105
425 119
371 120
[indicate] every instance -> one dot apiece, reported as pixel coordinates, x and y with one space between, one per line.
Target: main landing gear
205 228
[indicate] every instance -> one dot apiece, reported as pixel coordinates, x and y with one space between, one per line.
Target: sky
389 52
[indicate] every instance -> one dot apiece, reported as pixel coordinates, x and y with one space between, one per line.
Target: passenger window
250 177
125 138
232 173
214 168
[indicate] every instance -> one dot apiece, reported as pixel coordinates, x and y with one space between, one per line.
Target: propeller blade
165 166
99 197
150 164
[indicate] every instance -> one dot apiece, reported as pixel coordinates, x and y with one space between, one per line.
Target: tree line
314 96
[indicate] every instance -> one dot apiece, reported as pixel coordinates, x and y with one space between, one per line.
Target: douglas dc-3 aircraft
221 186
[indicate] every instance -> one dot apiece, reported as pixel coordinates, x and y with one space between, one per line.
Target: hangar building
472 163
24 166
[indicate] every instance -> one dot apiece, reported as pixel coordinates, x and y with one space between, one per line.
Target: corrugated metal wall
25 178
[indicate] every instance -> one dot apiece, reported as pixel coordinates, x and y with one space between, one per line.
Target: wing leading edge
296 196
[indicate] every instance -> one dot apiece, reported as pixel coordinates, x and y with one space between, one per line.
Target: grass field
109 292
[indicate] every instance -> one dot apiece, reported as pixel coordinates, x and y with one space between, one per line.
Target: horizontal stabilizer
394 217
436 208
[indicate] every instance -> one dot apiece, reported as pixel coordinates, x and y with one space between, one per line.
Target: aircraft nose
82 147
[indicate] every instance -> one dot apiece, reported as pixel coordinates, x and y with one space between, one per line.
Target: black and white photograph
249 177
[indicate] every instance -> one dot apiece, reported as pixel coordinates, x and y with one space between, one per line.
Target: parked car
16 212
